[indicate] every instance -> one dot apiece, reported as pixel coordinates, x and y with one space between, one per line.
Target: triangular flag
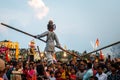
97 43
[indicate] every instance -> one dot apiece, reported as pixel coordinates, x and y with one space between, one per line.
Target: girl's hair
50 25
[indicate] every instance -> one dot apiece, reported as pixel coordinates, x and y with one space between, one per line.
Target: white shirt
103 76
52 78
51 37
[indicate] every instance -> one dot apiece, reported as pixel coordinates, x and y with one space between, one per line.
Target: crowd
82 69
85 69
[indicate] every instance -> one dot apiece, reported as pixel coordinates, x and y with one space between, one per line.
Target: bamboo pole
38 39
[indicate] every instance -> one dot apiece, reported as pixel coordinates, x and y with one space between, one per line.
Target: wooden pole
39 39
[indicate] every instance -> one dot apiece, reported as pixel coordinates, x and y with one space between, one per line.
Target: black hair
115 65
94 77
100 66
89 65
49 26
51 72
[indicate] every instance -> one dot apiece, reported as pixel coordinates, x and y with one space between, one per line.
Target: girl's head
72 71
51 26
31 66
52 73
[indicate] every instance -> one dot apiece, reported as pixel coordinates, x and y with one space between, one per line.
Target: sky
78 22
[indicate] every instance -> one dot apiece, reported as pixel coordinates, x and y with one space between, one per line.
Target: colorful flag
97 43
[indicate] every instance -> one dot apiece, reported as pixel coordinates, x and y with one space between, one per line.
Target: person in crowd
63 73
95 65
93 78
16 73
48 70
81 71
26 75
89 72
58 75
73 75
10 68
35 66
73 64
108 59
31 72
100 74
2 69
5 76
114 75
108 66
40 69
52 75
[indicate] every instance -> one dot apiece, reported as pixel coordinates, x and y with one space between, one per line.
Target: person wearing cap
50 45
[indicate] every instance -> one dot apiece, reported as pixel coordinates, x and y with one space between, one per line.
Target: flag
97 43
7 57
101 55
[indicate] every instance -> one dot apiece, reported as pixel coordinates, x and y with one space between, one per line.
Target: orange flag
101 55
7 57
97 43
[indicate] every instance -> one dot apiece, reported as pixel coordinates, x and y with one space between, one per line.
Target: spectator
89 72
80 72
2 67
93 78
100 74
72 75
114 75
52 77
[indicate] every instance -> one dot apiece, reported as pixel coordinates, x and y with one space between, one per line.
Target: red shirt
73 76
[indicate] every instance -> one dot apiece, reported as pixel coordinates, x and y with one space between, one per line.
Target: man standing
114 75
100 74
50 45
89 72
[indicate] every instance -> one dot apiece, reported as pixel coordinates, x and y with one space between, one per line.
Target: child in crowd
52 77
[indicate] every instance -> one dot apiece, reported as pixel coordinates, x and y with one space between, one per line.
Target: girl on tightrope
50 45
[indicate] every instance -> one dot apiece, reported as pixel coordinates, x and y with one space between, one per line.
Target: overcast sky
78 22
